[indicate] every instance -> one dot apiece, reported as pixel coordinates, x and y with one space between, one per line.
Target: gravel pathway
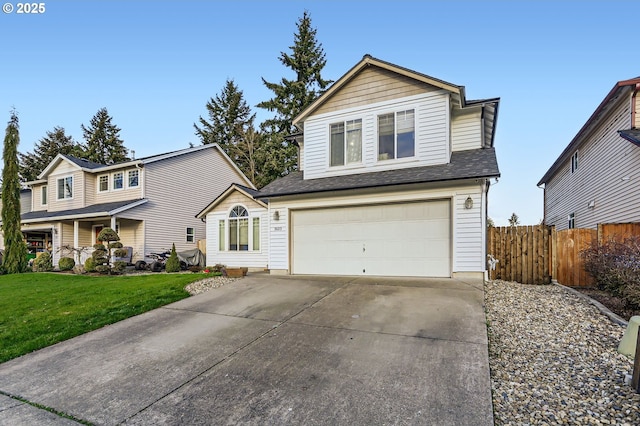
554 359
208 284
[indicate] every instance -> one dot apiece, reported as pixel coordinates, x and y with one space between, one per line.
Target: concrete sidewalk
272 350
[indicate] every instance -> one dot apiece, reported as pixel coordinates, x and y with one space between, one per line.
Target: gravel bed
208 284
554 359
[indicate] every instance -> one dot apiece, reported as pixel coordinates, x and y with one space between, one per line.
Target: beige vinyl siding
468 247
431 133
636 99
178 188
36 194
132 235
78 200
466 130
607 174
373 85
234 199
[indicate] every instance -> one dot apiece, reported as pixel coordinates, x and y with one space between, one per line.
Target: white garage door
410 239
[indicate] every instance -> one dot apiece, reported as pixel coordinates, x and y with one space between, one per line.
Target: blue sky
154 65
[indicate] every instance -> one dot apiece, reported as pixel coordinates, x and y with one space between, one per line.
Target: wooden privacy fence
523 253
538 254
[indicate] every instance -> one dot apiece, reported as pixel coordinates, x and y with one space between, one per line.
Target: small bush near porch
40 309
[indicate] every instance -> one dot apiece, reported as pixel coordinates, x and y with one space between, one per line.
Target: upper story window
118 180
65 188
133 178
396 135
103 183
346 143
574 162
572 220
44 195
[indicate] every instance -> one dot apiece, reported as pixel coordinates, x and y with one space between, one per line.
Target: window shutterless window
346 143
118 180
572 220
574 162
396 135
133 178
221 234
65 188
44 195
256 233
239 229
191 235
103 183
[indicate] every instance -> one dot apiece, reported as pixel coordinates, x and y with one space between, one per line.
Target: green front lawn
40 309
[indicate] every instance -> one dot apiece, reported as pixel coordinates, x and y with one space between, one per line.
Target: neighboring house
595 179
151 202
394 172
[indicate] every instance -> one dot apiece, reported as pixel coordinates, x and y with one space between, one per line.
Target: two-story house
394 171
151 202
595 178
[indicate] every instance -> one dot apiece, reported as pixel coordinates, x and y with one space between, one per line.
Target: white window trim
127 178
346 165
72 188
44 189
113 176
98 183
395 134
193 235
251 215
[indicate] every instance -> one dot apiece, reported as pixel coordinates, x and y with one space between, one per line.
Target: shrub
195 268
615 266
66 263
119 266
43 263
103 269
90 265
173 263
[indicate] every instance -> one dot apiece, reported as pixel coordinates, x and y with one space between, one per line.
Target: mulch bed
614 303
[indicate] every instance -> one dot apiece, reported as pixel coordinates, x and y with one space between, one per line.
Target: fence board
570 265
523 253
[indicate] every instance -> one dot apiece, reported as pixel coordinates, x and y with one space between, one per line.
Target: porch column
113 223
76 241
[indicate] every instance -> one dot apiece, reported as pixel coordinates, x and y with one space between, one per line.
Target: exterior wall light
276 215
468 203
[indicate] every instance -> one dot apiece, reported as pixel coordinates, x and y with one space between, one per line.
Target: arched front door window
239 229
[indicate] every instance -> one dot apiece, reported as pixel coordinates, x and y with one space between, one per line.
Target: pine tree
15 253
46 149
103 141
292 96
173 263
229 117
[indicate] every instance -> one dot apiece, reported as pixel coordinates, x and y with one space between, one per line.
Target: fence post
635 381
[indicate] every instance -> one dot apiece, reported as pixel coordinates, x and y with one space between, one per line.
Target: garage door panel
410 239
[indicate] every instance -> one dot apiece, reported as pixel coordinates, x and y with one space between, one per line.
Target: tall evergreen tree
292 96
46 149
103 141
15 249
229 117
307 59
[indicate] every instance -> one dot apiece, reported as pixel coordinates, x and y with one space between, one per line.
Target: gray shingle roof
95 210
84 163
477 163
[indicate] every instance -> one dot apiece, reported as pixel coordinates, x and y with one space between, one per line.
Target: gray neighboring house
394 172
595 178
151 201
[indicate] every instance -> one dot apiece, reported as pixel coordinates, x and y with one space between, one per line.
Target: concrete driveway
272 350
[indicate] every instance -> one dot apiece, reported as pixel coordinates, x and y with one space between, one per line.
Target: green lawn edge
40 309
